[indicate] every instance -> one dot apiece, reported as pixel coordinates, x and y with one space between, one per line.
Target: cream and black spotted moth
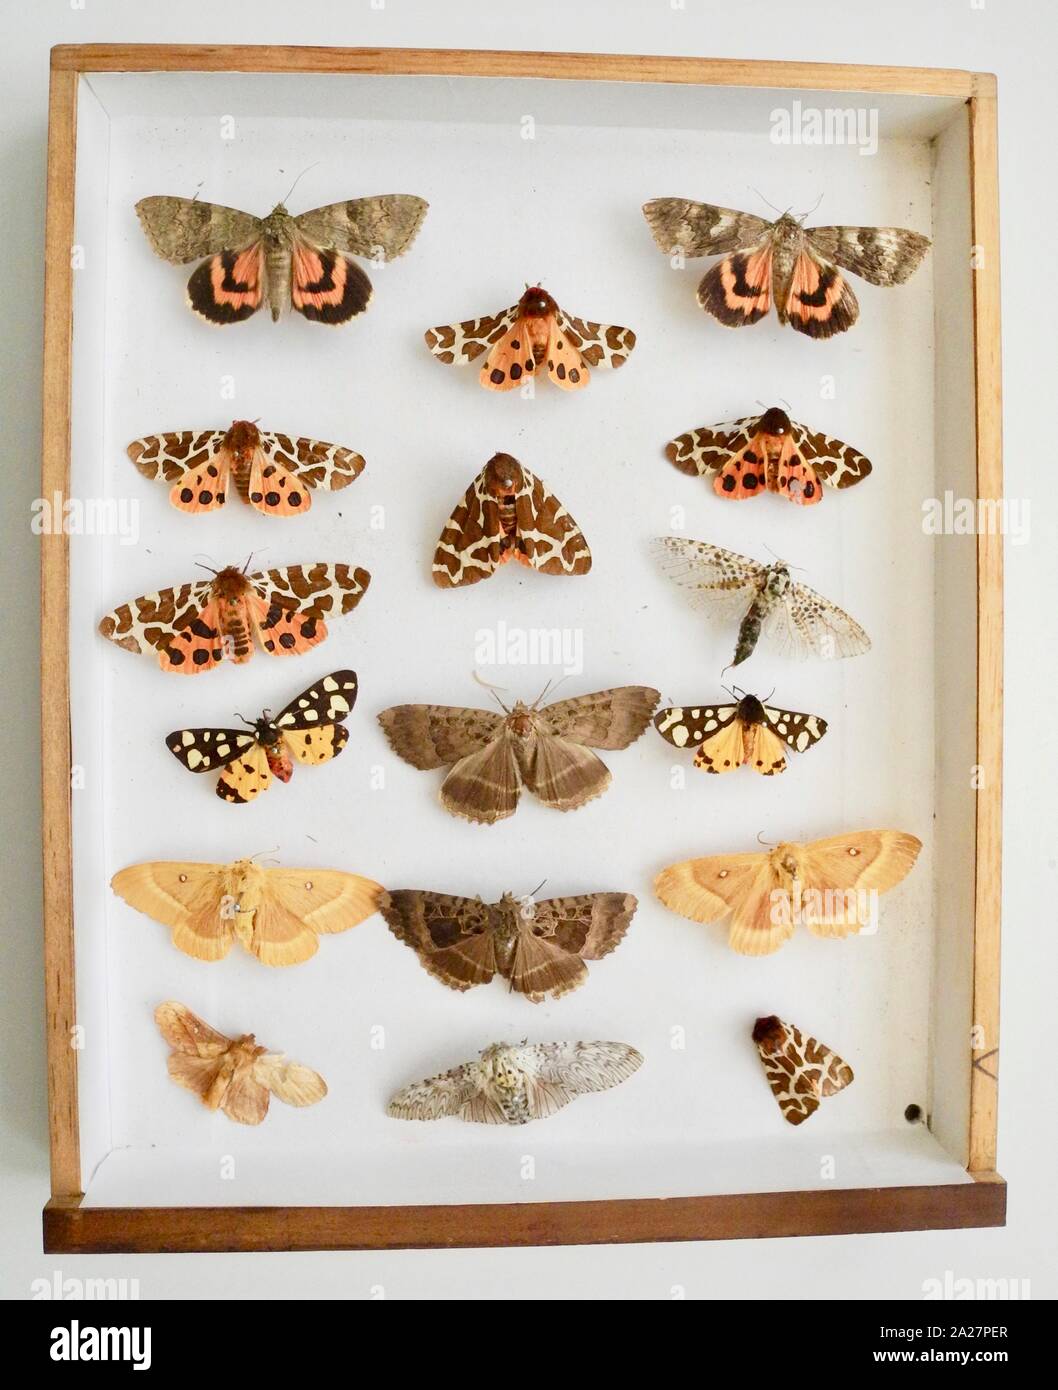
764 598
511 1085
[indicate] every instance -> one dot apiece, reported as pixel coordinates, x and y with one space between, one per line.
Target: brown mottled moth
801 1071
287 262
277 915
508 514
232 1074
308 730
198 625
273 473
746 733
545 748
540 947
764 598
768 453
782 263
520 340
513 1085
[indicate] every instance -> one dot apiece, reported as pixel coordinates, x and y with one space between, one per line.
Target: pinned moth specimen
801 1071
287 262
545 748
830 886
308 730
520 340
764 598
782 263
511 1085
277 915
507 514
273 473
768 453
200 624
232 1074
746 733
540 947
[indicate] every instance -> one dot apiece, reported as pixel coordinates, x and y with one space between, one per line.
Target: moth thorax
247 1046
503 475
520 720
535 303
769 1033
230 584
241 441
784 861
750 710
778 580
278 225
775 422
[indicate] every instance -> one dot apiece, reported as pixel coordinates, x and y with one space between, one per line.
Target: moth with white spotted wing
533 334
782 263
195 627
507 514
309 730
273 473
768 453
801 1071
747 733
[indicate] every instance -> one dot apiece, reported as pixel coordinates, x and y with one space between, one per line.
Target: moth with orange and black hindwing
309 730
273 473
782 263
195 627
506 514
520 340
747 733
300 262
768 453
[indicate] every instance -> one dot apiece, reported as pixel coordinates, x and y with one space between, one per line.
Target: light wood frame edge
67 63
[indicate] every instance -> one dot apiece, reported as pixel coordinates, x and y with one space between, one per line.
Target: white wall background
985 34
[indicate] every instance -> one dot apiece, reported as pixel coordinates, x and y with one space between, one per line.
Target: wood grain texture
71 1229
60 994
605 67
984 187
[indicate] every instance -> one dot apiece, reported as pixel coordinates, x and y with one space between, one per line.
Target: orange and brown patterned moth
512 1085
273 473
232 1074
539 946
829 886
768 453
287 262
507 514
545 748
195 627
782 263
747 733
522 339
801 1071
308 730
277 915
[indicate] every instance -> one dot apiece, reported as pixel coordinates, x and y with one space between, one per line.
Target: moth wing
707 449
245 1100
838 464
808 623
173 455
185 229
297 905
579 1067
725 749
820 301
452 936
456 344
326 701
316 464
432 736
742 885
837 870
291 1082
794 476
763 751
589 924
155 620
720 581
745 474
686 725
380 227
273 490
438 1096
564 775
291 603
510 359
230 286
315 746
197 1074
206 750
185 1032
566 366
797 731
599 344
610 719
701 229
245 777
325 286
546 537
472 544
782 1055
738 290
881 255
185 897
204 488
484 786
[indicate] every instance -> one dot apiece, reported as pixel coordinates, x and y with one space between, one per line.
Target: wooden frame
68 1226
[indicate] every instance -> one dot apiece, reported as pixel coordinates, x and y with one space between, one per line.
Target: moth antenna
537 888
261 852
298 180
252 722
492 689
248 559
552 686
785 402
765 200
781 562
812 209
201 564
766 843
767 697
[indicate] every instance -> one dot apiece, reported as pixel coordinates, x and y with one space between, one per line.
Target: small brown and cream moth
801 1071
